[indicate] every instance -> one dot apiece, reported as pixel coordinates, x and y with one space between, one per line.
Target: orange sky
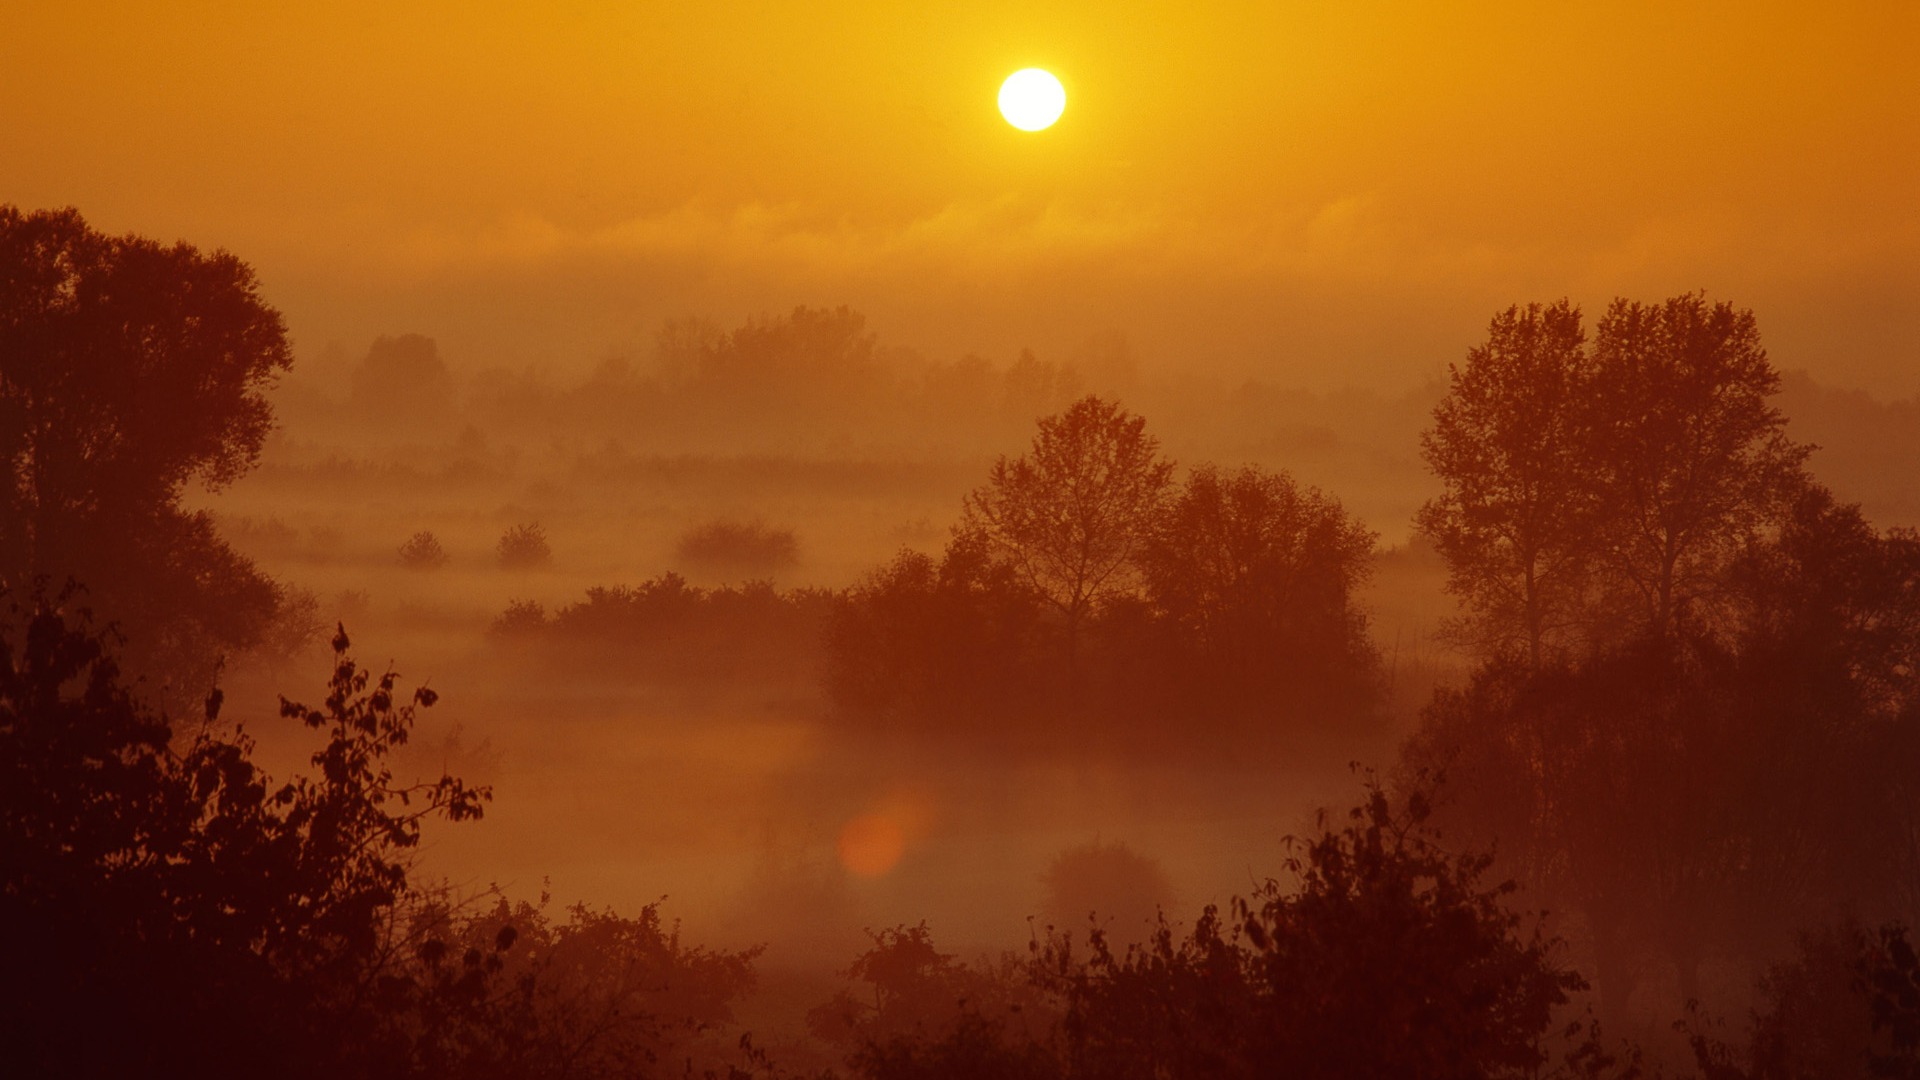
1324 193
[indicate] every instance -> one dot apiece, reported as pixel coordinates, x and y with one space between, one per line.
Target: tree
946 646
1124 888
172 910
511 991
524 547
129 369
179 911
423 551
1700 795
1391 958
806 371
1592 495
1514 520
1253 577
402 379
1691 461
911 1012
1073 516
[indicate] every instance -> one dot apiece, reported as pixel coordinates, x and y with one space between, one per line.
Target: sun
1032 99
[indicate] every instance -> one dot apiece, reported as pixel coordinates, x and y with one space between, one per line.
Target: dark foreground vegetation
1685 758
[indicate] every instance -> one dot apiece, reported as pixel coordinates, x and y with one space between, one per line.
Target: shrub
521 617
174 910
524 546
296 625
668 628
734 546
423 552
1124 887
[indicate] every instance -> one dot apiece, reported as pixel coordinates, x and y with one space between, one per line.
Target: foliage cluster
423 551
175 911
130 369
1390 957
1699 697
665 628
524 547
738 547
1594 493
1084 586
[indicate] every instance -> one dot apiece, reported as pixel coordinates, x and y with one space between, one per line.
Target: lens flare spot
871 844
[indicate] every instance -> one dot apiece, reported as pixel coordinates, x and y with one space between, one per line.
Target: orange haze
1325 194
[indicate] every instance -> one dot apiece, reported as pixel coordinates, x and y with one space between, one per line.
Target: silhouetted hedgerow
665 629
738 547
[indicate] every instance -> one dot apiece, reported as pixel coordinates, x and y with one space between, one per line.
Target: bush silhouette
738 547
1121 887
521 617
177 911
1390 957
423 552
524 547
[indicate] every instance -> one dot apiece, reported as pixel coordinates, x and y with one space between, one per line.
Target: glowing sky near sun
1331 193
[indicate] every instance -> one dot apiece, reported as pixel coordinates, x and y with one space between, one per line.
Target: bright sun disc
1032 99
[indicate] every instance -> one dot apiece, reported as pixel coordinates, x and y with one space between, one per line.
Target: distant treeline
1084 592
773 382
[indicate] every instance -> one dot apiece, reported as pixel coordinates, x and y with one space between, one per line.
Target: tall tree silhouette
1593 494
1700 795
1514 518
129 369
1073 515
1691 460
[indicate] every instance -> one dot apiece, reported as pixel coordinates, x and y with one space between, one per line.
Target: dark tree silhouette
1697 796
923 646
423 551
129 369
524 547
510 991
752 548
904 992
1124 888
1592 495
403 380
1391 958
1691 463
1846 1004
1228 602
807 371
179 912
1253 578
1514 519
1073 516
